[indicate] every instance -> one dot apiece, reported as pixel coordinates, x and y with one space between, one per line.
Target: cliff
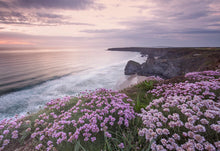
172 62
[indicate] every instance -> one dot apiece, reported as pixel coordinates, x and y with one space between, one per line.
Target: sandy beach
131 80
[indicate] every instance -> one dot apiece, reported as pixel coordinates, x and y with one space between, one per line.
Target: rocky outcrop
175 63
163 68
132 67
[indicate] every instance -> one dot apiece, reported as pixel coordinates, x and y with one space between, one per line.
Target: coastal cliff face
161 67
172 62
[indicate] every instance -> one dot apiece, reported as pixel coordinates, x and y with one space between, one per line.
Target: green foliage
142 97
128 136
146 85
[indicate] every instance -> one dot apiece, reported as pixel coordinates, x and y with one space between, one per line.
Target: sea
31 78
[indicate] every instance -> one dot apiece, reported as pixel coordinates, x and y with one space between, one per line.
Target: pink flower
159 131
200 128
160 147
93 139
209 147
28 129
38 147
49 143
166 131
199 146
107 134
164 141
217 144
6 142
121 145
191 134
1 137
42 137
204 121
5 132
185 134
216 127
1 148
176 136
86 139
14 134
199 138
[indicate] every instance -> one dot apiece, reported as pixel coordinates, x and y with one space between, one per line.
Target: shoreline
130 81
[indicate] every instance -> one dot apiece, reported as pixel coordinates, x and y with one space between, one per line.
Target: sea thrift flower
217 144
176 136
1 137
159 131
49 143
107 134
42 137
199 138
165 131
216 127
38 147
209 146
204 121
199 146
5 132
93 139
28 129
28 122
15 134
121 145
6 142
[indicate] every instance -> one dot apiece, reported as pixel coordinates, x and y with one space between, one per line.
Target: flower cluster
204 88
66 120
9 130
204 75
186 116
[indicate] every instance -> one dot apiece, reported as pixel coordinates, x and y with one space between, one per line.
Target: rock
132 67
163 68
171 62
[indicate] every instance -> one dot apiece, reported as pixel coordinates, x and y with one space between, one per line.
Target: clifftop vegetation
182 113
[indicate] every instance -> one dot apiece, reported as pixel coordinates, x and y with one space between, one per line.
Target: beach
130 80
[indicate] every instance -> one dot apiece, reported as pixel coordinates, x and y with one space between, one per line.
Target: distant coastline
172 61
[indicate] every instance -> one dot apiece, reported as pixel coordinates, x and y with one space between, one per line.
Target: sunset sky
109 23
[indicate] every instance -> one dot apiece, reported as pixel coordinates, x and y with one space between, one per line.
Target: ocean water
29 79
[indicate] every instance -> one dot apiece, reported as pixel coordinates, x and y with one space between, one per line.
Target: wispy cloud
43 12
36 19
51 4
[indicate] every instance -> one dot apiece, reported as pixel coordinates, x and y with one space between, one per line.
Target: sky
109 23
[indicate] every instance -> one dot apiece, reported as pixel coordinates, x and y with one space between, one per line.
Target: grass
138 93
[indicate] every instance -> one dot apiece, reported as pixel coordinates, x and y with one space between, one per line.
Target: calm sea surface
29 79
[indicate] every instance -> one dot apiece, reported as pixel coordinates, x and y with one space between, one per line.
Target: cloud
141 32
42 12
47 15
51 4
100 31
36 19
201 31
17 38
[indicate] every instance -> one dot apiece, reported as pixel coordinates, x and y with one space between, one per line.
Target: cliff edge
171 62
